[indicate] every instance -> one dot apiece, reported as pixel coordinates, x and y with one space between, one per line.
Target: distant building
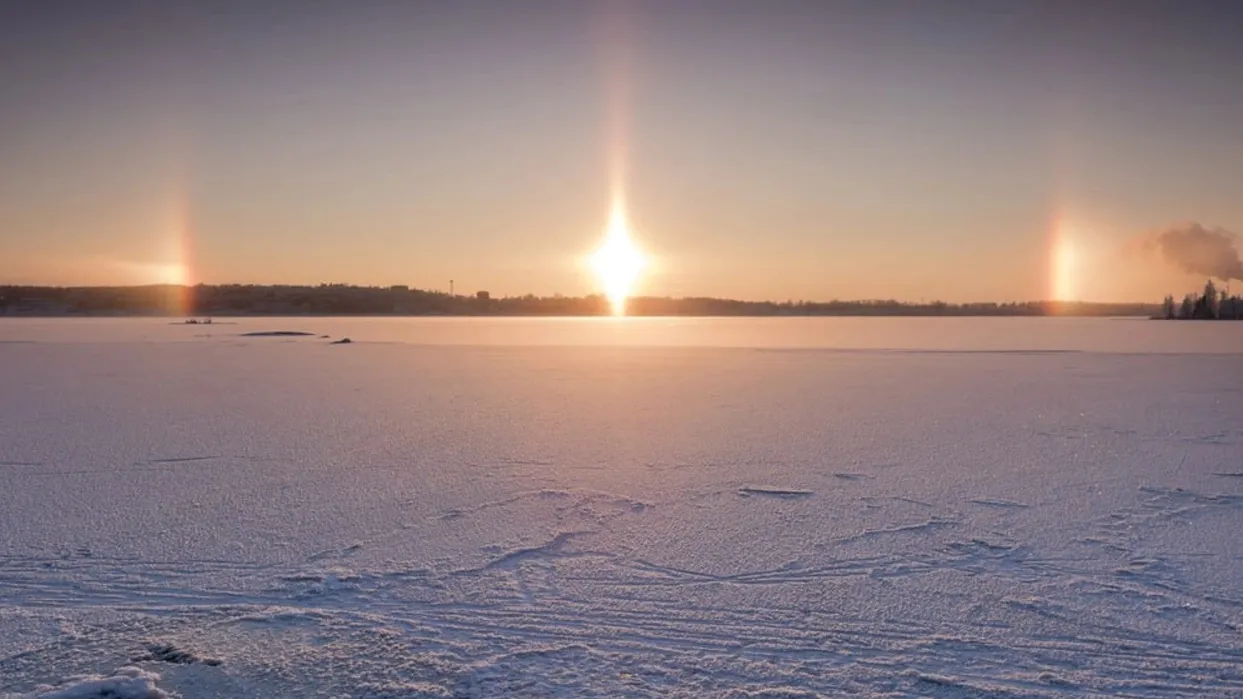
483 296
400 289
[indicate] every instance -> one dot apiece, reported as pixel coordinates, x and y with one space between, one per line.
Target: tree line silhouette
1212 304
346 300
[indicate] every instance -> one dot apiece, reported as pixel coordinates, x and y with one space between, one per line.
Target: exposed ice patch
176 460
997 502
773 491
278 333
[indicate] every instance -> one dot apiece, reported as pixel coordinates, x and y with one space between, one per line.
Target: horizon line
558 295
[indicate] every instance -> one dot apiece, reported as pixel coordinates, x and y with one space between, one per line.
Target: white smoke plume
1199 250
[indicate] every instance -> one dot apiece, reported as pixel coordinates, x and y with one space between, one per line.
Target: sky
777 149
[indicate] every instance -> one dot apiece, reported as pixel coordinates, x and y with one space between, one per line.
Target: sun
617 262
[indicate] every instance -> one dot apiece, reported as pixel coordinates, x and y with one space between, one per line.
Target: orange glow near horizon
617 262
1063 261
178 271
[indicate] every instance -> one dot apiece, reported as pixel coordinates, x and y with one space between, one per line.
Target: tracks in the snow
1103 620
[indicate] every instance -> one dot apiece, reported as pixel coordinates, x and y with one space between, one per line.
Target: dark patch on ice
342 341
1007 504
20 463
851 476
771 491
1050 678
278 333
178 460
1226 474
167 653
302 577
977 547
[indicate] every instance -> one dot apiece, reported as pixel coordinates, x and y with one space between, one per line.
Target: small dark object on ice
342 341
278 333
165 653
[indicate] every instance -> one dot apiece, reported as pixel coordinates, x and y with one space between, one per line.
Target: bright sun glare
617 262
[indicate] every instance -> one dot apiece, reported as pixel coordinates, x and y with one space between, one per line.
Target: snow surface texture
127 683
455 512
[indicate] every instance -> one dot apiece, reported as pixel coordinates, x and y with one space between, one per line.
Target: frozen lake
722 508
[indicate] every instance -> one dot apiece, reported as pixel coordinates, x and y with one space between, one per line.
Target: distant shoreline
231 318
336 300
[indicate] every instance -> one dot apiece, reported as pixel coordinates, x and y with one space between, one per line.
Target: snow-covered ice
128 683
621 508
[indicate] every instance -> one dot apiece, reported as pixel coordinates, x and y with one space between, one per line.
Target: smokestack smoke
1200 250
